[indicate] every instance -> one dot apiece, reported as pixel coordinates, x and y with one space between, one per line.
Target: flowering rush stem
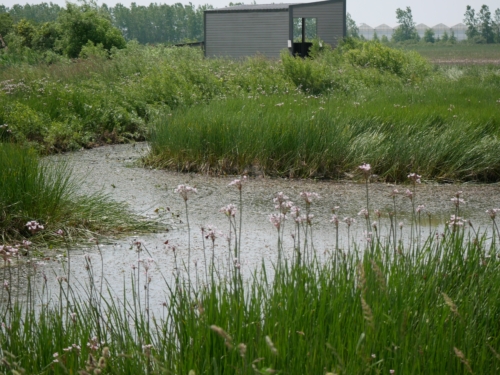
366 170
184 191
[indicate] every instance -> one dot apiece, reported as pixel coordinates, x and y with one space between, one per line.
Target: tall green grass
34 189
379 103
445 129
378 310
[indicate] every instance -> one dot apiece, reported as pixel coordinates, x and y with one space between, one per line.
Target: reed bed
446 129
385 307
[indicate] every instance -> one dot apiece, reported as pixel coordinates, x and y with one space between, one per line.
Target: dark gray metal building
246 30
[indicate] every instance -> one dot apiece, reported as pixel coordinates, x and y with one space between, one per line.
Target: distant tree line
45 26
482 27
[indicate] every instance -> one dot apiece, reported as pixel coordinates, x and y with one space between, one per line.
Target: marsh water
116 170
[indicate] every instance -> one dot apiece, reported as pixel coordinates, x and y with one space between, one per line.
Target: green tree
352 28
26 31
6 23
38 13
375 36
471 22
81 24
429 36
406 29
46 36
485 24
453 38
445 37
496 26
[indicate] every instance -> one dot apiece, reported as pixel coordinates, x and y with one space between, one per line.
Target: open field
459 54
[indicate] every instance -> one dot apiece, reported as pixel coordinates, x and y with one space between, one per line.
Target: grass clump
37 190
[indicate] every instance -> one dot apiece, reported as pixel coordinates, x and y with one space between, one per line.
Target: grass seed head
451 304
271 346
228 339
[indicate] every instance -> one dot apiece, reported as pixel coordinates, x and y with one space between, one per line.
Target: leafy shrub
26 125
82 24
353 65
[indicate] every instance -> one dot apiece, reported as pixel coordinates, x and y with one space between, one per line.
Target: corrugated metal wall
241 34
330 19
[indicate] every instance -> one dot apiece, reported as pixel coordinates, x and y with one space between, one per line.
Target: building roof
251 8
422 26
267 7
364 26
383 27
441 26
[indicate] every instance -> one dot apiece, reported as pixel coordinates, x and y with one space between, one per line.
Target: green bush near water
42 191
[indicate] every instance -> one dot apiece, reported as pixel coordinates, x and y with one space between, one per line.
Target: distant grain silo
366 31
246 30
421 29
440 29
459 31
384 29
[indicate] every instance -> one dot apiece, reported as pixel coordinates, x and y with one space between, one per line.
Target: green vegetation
457 54
406 30
32 190
429 307
155 23
481 27
382 105
74 28
69 105
362 93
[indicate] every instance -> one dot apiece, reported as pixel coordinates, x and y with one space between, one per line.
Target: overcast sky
371 12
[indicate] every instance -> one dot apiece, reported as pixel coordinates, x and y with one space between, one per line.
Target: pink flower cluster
365 169
7 252
349 221
211 232
238 182
277 220
493 212
308 197
34 226
73 347
415 178
456 221
185 191
229 210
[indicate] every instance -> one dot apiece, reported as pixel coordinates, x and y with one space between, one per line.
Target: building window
310 29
